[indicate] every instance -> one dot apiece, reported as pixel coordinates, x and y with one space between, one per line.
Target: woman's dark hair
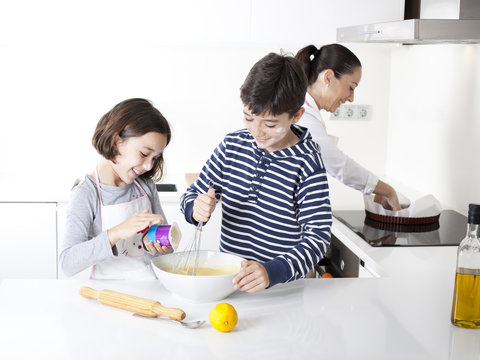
130 118
276 84
334 56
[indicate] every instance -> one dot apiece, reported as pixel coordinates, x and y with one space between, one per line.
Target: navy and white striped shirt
275 206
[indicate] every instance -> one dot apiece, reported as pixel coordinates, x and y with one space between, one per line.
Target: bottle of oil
466 296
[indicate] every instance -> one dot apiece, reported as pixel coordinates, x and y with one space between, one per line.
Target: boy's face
271 133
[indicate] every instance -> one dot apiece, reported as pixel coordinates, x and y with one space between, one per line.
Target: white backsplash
434 121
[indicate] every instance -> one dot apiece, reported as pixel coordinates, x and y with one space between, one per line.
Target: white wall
434 129
63 64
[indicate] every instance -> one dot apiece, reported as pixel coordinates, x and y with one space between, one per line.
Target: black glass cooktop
448 231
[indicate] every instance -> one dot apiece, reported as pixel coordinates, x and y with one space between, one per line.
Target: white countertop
404 314
386 318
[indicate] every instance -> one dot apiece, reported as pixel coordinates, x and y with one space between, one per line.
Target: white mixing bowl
198 288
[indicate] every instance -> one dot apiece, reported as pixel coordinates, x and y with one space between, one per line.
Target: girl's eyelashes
154 159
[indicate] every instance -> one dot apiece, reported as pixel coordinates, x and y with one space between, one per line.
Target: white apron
132 261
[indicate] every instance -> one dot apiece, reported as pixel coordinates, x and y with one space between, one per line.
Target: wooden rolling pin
136 304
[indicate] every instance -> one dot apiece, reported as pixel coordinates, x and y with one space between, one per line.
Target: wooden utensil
136 304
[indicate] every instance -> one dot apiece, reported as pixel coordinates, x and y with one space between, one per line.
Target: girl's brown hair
130 118
334 56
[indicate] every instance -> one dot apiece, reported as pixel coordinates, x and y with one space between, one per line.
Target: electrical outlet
336 114
364 112
340 113
344 112
349 112
352 112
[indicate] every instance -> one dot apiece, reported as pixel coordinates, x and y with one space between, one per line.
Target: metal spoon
187 324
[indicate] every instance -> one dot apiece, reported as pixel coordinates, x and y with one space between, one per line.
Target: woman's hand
203 206
388 203
386 196
134 224
251 278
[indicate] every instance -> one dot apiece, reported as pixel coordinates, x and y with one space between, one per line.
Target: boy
275 201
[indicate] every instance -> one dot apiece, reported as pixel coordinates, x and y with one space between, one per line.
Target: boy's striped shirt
275 206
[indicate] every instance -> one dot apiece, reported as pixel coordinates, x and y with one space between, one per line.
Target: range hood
426 22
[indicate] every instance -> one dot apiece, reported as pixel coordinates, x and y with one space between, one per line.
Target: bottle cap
474 214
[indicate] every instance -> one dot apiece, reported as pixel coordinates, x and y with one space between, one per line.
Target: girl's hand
154 248
251 278
203 206
135 223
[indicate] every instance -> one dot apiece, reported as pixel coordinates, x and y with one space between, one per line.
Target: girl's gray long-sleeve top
84 244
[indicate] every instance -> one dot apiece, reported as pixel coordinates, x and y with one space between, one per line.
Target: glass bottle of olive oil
466 296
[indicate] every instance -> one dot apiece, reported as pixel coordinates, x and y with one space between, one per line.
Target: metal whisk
188 259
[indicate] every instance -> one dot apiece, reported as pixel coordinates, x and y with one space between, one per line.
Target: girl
112 205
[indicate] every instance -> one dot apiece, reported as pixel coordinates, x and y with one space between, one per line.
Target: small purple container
165 235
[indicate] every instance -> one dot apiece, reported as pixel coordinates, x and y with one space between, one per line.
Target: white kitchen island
402 312
361 318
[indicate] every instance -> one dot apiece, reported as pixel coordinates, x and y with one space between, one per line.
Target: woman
333 73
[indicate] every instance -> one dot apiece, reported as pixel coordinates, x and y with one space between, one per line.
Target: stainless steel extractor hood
426 22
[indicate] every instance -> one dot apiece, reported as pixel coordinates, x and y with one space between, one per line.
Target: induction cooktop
448 231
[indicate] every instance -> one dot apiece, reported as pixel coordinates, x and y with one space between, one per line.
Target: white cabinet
365 272
367 266
28 240
61 217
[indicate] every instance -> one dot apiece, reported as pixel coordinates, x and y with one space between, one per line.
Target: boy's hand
251 278
203 206
135 223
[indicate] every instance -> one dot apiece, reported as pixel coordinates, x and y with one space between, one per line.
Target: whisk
188 262
188 259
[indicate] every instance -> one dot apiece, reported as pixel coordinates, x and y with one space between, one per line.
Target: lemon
223 317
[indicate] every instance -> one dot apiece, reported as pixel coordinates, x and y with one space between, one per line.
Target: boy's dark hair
130 118
276 84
